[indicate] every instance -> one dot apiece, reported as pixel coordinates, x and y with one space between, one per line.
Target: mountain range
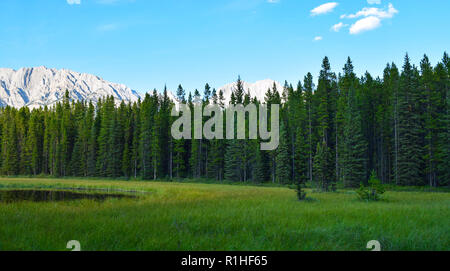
40 86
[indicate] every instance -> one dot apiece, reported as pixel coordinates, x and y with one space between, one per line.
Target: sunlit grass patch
190 216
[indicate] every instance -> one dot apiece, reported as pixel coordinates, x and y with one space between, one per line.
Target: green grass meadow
192 216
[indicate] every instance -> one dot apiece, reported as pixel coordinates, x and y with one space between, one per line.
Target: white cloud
372 18
366 24
107 27
273 1
113 2
74 2
374 2
338 26
325 8
318 38
380 13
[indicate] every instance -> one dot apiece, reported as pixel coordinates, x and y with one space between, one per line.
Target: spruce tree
322 162
430 105
326 102
156 147
135 144
410 152
442 85
180 145
10 154
106 139
282 160
147 115
355 146
308 86
78 163
195 160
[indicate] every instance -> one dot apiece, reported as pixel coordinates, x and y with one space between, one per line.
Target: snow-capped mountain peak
39 86
257 89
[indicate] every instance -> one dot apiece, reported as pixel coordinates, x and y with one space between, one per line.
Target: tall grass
191 216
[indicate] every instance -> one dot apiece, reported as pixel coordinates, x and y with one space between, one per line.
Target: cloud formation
323 9
113 2
372 18
338 26
318 38
374 2
380 13
365 24
74 2
107 27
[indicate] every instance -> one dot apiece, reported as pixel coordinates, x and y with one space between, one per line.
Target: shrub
373 191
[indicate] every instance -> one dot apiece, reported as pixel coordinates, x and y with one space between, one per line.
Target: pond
10 196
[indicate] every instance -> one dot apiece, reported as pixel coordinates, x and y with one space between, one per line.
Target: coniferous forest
338 131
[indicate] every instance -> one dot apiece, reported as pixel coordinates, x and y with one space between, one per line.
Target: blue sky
146 44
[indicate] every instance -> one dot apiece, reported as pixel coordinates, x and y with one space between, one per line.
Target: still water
10 196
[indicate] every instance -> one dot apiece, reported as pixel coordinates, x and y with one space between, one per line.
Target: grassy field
177 216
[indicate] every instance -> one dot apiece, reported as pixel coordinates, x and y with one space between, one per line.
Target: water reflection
9 196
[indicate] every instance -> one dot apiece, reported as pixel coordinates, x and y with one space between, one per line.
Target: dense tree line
340 131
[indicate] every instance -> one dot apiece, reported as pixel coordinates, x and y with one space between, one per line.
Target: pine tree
430 105
147 116
348 82
180 145
34 141
233 162
239 91
217 150
308 85
78 162
181 94
326 102
117 139
282 158
106 139
296 124
221 99
272 97
322 163
355 146
195 160
67 136
128 126
301 156
442 85
54 128
409 151
135 144
22 122
166 144
156 147
10 154
259 168
93 125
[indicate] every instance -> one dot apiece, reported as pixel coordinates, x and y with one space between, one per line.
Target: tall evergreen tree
10 154
355 146
322 166
410 153
283 170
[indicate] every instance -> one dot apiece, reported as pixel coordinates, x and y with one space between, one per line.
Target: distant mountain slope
40 86
257 89
34 87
